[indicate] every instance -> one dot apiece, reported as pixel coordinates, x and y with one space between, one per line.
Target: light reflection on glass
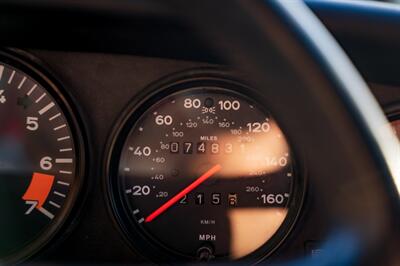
253 227
259 153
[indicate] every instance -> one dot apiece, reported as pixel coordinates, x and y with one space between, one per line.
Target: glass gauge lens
206 173
38 163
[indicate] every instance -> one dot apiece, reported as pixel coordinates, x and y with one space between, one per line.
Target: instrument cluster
165 160
197 168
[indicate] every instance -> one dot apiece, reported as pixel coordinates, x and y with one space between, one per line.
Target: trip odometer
203 173
40 160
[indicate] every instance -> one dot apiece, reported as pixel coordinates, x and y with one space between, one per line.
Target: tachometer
202 171
40 160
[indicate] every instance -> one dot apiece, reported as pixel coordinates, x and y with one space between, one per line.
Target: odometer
204 173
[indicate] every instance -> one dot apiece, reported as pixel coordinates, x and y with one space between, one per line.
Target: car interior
107 154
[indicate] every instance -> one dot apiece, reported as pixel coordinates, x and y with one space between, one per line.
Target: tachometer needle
182 193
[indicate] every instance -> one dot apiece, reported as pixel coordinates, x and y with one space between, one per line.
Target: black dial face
38 163
205 173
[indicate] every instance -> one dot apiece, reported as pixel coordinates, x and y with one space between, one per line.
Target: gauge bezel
62 224
141 241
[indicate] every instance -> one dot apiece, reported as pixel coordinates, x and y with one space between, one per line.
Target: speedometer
202 171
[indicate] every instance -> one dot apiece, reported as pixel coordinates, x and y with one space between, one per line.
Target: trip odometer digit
204 173
40 160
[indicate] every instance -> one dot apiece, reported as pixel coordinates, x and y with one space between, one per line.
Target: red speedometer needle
185 191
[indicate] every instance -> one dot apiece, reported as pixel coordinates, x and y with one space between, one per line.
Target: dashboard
127 139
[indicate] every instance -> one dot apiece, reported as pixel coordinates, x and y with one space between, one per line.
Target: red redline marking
184 192
39 188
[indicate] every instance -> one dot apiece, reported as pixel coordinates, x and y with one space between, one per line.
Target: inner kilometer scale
205 173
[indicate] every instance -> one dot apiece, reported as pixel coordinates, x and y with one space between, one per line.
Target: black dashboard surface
102 85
